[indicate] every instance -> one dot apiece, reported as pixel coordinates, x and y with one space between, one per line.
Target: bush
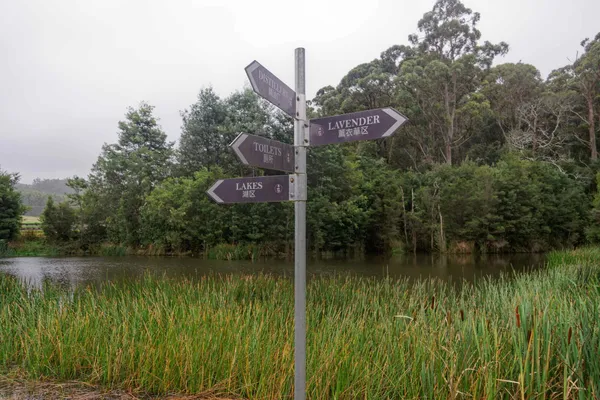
58 222
11 207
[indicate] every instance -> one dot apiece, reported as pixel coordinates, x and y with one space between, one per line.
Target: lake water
73 271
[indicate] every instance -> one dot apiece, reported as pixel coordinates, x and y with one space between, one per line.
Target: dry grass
11 389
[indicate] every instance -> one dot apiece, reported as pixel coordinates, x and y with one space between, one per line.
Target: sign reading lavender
262 152
259 189
362 125
271 88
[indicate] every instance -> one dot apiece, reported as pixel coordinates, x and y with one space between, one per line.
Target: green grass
112 250
239 252
29 248
529 336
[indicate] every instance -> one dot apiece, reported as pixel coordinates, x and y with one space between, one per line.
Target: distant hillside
35 195
50 186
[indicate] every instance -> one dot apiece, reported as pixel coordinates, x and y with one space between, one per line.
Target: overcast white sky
70 68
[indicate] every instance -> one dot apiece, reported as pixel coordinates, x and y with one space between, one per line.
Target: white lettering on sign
275 89
267 149
351 125
248 186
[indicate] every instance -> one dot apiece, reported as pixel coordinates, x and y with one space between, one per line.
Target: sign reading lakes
259 189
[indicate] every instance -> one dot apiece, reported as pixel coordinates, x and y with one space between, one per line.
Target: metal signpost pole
300 144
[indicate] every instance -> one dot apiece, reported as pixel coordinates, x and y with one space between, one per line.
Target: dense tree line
494 158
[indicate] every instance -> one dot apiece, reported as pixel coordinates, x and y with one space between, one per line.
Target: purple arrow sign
362 125
259 189
261 152
271 88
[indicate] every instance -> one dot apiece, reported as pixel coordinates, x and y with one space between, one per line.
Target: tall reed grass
28 248
526 336
240 251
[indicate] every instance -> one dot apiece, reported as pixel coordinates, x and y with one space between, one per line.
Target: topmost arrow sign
271 88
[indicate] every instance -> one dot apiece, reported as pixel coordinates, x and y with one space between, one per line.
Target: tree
509 87
448 68
541 121
128 170
178 216
202 141
58 222
11 207
539 207
445 93
587 79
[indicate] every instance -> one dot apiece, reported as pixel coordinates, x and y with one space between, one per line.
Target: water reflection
72 271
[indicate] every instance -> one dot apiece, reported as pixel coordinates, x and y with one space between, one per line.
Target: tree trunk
592 128
404 217
534 139
448 153
442 235
450 132
414 232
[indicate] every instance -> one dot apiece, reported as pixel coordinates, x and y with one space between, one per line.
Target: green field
31 220
528 336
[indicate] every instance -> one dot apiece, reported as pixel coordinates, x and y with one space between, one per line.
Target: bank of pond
521 335
33 245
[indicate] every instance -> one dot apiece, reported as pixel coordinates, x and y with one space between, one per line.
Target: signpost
258 189
266 153
261 152
362 125
271 88
300 143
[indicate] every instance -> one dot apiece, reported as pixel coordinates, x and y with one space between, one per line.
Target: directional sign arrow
259 189
271 88
362 125
261 152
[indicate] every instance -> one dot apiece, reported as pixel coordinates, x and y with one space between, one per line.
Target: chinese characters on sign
268 158
362 130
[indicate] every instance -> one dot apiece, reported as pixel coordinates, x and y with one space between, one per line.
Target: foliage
593 230
202 140
11 207
30 248
518 205
531 335
127 171
58 221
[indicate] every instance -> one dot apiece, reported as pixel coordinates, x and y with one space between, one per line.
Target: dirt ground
20 390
